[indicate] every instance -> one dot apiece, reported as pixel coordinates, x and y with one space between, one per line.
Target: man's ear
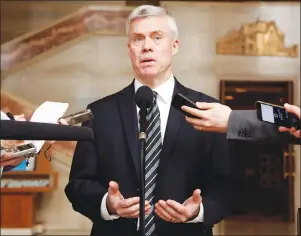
129 50
175 47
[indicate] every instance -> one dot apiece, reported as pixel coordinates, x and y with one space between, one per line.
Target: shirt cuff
104 211
200 216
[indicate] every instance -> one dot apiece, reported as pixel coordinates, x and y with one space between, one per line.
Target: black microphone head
144 97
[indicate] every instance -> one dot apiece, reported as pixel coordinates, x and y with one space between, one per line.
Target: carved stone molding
259 38
91 19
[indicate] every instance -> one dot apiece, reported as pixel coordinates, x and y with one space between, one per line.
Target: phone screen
277 115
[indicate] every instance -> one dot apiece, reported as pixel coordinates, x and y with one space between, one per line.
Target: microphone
143 99
78 117
26 130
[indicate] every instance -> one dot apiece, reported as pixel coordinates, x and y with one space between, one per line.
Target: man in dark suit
242 124
188 176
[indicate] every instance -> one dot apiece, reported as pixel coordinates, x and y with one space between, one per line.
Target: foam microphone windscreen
144 97
25 130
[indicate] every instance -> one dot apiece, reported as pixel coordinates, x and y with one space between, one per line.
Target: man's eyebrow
153 32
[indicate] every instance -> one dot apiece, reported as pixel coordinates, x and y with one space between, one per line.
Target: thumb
292 109
196 196
204 105
113 188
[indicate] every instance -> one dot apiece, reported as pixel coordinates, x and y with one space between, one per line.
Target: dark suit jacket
244 125
189 160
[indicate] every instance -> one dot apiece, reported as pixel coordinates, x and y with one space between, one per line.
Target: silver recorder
78 117
20 150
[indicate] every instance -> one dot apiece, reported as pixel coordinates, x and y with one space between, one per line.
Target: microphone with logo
143 99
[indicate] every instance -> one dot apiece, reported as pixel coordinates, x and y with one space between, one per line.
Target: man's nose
148 45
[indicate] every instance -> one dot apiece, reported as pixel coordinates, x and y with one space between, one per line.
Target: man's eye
157 37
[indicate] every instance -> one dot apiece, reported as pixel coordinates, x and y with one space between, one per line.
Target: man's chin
149 74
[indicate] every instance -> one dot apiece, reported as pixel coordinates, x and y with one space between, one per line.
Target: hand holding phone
20 150
277 115
180 100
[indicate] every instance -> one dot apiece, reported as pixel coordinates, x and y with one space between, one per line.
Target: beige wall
99 66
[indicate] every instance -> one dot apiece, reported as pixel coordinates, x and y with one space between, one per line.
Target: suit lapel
173 125
128 111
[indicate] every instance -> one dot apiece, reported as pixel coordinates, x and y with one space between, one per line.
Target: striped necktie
153 147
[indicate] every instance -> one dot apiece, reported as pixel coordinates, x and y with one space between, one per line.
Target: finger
62 122
283 129
133 211
175 214
158 212
177 206
196 196
297 134
20 117
129 202
195 122
193 111
163 211
113 187
6 156
205 105
292 131
292 109
11 162
137 213
128 210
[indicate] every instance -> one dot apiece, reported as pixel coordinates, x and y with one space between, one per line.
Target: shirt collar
165 90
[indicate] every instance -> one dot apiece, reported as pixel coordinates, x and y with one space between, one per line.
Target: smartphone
276 115
180 100
20 150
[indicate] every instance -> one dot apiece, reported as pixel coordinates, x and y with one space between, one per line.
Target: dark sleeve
8 168
83 189
221 185
244 125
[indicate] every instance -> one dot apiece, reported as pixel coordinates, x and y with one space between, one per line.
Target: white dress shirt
165 92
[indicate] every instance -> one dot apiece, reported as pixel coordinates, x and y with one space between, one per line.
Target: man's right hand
128 208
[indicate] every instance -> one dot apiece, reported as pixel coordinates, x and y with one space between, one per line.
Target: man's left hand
175 212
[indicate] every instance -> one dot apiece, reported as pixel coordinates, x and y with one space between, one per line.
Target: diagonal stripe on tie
152 153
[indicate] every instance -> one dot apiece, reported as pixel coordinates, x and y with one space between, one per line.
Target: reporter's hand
62 122
7 161
128 208
175 212
20 117
296 111
212 116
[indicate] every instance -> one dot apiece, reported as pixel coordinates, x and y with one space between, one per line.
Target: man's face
151 46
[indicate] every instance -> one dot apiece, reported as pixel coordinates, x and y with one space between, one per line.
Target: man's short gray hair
149 11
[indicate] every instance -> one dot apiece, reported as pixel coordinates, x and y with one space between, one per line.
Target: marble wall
97 66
